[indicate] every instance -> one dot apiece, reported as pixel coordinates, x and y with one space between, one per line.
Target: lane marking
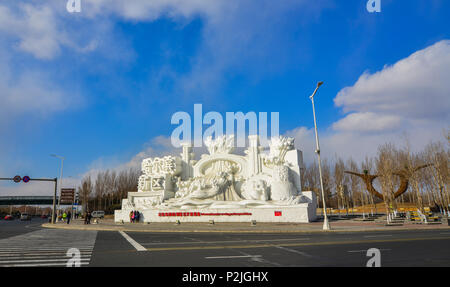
384 235
259 259
294 244
47 258
294 251
2 254
229 257
133 242
41 264
193 239
42 249
39 254
225 241
40 260
365 250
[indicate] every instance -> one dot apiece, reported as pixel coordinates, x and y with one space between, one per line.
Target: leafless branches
425 175
108 189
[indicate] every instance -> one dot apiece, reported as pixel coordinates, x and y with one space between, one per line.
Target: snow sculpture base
298 213
293 214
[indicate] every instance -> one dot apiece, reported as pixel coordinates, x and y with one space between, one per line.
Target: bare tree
327 182
311 180
100 189
385 169
110 188
354 183
85 191
411 161
436 154
340 180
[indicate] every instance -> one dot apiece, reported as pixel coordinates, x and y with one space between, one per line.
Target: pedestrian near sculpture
137 215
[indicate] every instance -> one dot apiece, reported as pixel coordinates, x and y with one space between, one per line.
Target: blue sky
99 87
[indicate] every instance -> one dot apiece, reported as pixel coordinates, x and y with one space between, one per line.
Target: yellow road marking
293 244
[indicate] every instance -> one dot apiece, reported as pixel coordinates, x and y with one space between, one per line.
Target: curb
118 228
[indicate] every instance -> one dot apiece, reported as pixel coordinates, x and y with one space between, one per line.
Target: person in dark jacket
137 215
69 215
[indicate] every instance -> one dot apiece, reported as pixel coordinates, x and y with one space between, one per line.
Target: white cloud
416 87
32 93
35 27
409 100
158 146
42 29
232 34
144 10
367 121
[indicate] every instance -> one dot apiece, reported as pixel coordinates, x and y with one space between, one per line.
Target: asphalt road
17 227
27 244
397 248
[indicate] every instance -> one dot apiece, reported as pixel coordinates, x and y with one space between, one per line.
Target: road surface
28 244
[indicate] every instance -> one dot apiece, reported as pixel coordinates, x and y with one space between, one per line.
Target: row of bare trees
106 190
428 186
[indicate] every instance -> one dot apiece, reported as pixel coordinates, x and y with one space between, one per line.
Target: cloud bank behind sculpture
410 97
415 88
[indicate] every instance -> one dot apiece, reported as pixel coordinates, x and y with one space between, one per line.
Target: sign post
67 197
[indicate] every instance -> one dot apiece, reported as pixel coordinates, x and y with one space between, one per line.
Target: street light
326 225
60 180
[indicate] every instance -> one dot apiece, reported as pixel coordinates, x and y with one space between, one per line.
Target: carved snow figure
255 189
281 187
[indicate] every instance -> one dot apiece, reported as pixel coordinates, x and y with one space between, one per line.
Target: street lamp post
326 225
60 181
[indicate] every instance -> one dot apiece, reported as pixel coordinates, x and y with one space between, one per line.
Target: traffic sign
26 178
67 195
17 178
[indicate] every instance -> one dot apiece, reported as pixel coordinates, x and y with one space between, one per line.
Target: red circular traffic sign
26 178
17 178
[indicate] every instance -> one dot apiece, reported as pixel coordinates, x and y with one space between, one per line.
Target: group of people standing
134 216
67 216
87 218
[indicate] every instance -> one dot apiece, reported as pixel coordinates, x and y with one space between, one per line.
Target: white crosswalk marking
47 247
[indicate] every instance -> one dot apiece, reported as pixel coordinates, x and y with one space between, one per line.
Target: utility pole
54 202
60 179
